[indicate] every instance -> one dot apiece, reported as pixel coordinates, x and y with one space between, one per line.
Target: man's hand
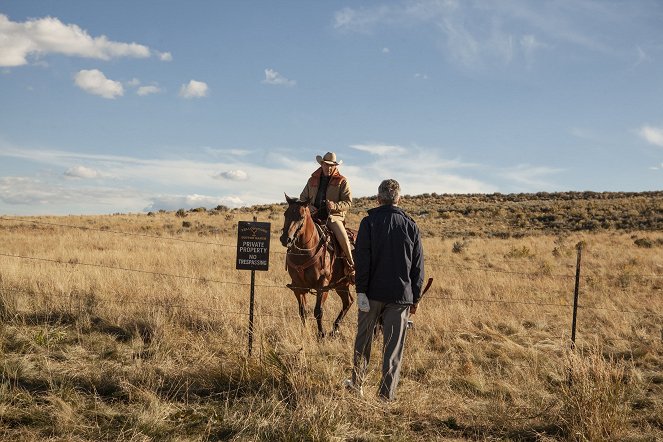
331 205
413 309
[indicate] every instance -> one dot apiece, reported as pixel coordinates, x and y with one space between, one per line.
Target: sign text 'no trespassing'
252 245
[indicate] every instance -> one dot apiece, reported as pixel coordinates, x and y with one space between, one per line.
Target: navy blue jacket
389 259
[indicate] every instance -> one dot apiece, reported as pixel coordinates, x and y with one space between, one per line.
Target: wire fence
288 289
274 252
225 312
76 301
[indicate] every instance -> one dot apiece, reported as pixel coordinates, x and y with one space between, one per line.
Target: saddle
332 241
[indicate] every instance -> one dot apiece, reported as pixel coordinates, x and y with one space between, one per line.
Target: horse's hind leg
347 300
319 302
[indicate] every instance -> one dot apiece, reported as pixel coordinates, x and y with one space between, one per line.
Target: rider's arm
345 199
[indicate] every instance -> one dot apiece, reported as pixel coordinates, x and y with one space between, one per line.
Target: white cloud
364 20
379 149
530 43
143 90
147 90
386 50
36 196
48 35
194 89
273 77
165 56
479 34
651 134
95 82
530 176
234 175
175 202
21 190
221 152
79 171
421 76
419 170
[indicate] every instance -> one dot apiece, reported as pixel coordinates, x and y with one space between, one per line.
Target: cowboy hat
329 158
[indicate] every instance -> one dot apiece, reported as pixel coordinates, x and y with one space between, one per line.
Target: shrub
595 400
459 246
644 243
180 213
522 252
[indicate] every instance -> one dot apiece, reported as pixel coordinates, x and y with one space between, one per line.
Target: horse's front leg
347 300
301 300
321 297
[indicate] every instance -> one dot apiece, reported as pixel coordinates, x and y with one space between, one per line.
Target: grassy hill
513 215
134 327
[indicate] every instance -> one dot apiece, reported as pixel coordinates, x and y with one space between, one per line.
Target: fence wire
281 287
172 238
476 335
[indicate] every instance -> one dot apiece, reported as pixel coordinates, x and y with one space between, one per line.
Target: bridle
294 250
292 240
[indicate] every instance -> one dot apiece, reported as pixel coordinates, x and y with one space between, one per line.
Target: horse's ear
305 202
288 199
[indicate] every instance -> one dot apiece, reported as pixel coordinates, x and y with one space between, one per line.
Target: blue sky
125 106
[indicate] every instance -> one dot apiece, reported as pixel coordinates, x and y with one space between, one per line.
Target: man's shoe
384 399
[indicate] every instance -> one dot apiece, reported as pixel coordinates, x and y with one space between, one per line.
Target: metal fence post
251 305
575 297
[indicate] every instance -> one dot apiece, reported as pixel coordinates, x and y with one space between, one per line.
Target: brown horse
312 264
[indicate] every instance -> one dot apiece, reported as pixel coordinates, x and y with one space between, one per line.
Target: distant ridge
519 214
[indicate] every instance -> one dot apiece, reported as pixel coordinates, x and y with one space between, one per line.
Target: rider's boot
350 271
342 236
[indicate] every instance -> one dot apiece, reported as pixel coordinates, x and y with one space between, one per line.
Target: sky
126 106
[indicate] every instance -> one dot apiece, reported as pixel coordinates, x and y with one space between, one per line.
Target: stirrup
350 272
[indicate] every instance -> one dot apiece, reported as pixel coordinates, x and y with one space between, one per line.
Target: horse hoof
321 335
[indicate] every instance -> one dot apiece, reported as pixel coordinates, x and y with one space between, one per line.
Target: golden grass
91 350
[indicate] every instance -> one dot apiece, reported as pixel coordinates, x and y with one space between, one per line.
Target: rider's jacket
338 192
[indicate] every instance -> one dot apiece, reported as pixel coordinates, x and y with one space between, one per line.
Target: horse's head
295 217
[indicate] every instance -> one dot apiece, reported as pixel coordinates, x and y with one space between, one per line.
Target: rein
321 250
294 242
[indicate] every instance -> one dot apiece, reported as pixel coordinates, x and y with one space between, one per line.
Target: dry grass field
133 327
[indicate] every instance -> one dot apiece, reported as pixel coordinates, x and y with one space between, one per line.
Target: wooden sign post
252 254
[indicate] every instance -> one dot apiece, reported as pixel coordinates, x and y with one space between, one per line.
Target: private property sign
252 245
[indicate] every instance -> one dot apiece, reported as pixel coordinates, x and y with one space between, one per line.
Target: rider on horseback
329 193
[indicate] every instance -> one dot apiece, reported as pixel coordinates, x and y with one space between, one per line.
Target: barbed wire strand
508 272
171 238
206 280
118 232
80 297
480 334
143 235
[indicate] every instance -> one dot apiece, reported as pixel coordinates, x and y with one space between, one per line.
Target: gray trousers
394 320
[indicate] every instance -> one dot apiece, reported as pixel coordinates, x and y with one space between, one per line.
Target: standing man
330 195
390 273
